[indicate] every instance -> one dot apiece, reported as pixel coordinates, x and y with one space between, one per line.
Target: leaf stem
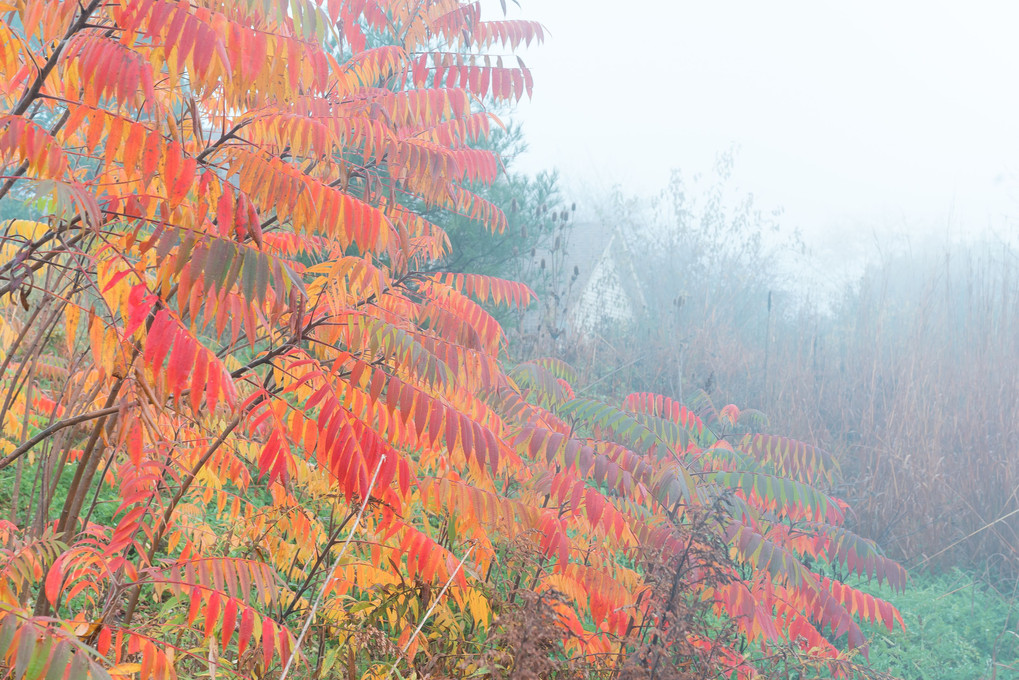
410 640
336 563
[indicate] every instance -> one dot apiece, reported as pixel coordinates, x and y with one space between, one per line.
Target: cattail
558 242
554 216
542 264
523 231
573 208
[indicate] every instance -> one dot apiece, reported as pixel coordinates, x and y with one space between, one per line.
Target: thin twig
967 537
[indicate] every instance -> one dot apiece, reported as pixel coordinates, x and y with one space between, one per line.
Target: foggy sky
852 116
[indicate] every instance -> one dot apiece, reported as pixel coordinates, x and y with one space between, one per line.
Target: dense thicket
250 431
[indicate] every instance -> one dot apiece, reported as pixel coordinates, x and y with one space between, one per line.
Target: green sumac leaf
624 425
187 244
26 648
58 660
785 493
7 630
218 263
249 278
262 280
40 657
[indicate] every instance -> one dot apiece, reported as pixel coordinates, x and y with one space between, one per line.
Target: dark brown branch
55 427
33 90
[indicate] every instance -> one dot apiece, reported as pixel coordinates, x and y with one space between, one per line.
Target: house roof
598 243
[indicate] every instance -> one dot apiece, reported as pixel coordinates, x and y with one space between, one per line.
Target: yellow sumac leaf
14 234
96 337
114 148
125 669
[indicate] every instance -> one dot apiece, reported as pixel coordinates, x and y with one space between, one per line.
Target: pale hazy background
855 117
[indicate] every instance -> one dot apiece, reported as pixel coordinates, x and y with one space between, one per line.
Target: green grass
956 628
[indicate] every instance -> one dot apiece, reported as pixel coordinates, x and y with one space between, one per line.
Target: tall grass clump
911 377
914 379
